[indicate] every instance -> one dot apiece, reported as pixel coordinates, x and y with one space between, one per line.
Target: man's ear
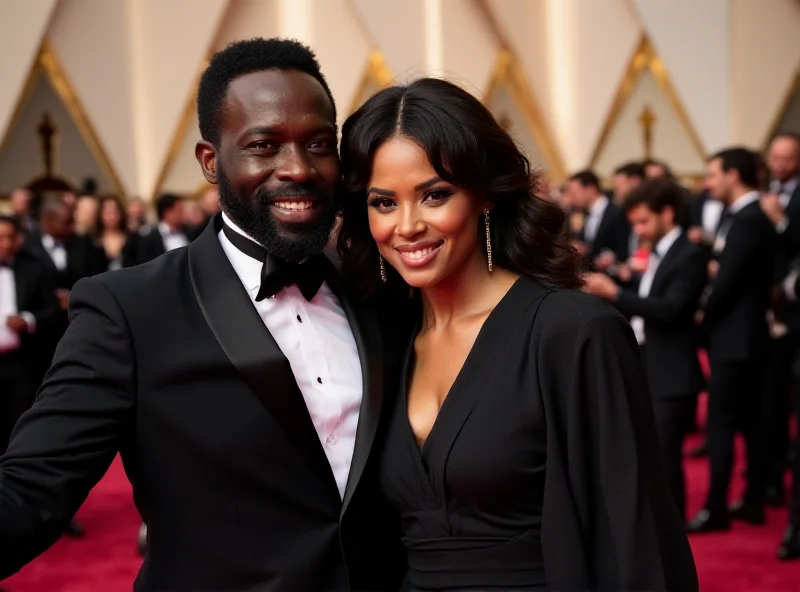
206 155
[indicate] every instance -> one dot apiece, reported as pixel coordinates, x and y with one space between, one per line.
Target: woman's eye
437 195
381 203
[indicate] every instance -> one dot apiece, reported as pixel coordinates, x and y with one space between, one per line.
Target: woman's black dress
542 469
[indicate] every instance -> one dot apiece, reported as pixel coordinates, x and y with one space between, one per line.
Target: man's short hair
587 179
243 57
11 220
656 194
631 169
165 203
742 160
786 136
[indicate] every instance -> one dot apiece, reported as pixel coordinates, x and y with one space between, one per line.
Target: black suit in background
776 407
170 364
670 351
735 317
149 244
613 234
35 293
84 259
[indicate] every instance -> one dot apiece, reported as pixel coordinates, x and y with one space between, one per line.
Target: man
789 548
22 208
168 234
605 228
782 206
734 315
242 388
661 306
27 305
627 178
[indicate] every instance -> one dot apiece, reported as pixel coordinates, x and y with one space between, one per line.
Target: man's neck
737 193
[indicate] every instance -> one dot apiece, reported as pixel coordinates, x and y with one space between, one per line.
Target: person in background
136 213
735 317
111 232
194 219
28 305
209 201
626 178
605 227
85 215
168 234
661 305
22 208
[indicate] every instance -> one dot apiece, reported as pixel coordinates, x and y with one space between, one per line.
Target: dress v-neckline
410 361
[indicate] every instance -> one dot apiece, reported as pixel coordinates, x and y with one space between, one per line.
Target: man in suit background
782 206
168 234
661 305
734 314
27 305
605 228
241 384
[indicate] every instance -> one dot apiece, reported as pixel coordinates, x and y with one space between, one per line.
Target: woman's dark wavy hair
467 148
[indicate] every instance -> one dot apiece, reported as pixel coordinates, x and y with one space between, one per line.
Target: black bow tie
277 274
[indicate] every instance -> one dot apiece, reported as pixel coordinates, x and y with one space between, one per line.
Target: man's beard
290 242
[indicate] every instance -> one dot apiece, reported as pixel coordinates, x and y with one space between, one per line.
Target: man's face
58 223
649 225
578 195
784 158
277 165
20 202
623 185
10 240
717 182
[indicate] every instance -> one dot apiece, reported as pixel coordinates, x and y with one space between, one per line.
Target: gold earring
383 269
488 239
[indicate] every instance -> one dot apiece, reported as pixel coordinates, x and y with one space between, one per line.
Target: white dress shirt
9 339
56 251
173 239
594 218
737 206
317 340
712 210
662 248
784 190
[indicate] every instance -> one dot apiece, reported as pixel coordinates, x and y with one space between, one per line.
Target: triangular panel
788 119
184 176
510 101
376 76
50 143
647 121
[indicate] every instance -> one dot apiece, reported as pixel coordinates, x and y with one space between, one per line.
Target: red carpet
742 560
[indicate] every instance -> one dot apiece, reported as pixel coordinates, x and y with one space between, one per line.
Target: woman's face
110 215
425 227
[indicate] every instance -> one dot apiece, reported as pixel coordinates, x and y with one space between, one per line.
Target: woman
112 231
521 453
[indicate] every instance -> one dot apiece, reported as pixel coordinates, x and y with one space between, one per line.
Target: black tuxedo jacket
670 352
84 258
735 310
35 285
613 233
788 249
170 364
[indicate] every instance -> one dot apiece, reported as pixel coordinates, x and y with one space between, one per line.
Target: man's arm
680 298
741 247
65 443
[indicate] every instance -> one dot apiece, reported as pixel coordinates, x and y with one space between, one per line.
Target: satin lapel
367 335
250 347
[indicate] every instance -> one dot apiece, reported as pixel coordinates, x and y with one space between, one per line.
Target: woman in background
111 231
521 453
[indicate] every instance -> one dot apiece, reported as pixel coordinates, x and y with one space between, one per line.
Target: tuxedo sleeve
737 259
607 509
680 298
789 236
65 443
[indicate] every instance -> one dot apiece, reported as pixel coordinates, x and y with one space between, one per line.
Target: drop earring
383 269
488 239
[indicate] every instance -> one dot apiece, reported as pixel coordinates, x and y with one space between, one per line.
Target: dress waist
475 563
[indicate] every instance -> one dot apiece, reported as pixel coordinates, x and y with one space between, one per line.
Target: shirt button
331 440
319 380
299 319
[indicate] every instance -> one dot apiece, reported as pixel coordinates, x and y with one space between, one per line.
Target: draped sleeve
609 522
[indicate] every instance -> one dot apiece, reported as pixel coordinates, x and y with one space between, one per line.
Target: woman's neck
472 292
